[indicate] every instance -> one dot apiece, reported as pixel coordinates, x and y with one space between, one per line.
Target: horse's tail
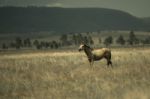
110 62
110 55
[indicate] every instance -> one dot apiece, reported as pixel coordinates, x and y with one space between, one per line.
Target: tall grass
68 75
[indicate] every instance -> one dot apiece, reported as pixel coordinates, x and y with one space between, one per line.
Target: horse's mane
89 47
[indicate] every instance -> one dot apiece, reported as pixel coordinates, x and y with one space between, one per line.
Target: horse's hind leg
109 60
110 63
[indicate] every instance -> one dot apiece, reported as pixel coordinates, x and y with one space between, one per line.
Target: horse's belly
96 58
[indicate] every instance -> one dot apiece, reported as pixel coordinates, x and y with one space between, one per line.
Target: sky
139 8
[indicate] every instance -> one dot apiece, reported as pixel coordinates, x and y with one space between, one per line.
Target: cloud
26 2
54 5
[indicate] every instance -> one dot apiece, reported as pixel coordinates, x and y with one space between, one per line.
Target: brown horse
95 55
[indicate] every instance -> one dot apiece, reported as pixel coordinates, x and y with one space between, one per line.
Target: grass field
67 75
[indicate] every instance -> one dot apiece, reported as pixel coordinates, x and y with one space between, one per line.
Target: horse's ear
87 45
82 43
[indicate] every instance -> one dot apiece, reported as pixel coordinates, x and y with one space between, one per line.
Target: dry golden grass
67 75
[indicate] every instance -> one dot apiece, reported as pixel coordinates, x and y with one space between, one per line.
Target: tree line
63 41
19 43
132 40
75 39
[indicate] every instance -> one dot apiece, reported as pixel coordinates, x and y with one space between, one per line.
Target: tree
27 42
51 45
18 43
108 41
120 40
100 40
90 40
132 38
12 45
4 46
74 39
47 44
55 44
85 40
80 38
64 39
43 44
146 40
36 43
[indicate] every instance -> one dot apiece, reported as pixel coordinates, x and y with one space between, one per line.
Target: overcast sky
139 8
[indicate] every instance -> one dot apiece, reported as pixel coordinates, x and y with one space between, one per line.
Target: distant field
67 75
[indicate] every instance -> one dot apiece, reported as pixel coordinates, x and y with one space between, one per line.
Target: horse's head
83 46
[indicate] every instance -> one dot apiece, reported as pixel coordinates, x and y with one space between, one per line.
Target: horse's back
101 52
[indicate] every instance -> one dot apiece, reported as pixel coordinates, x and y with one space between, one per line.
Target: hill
147 19
37 19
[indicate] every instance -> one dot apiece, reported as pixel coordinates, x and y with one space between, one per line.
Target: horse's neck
88 52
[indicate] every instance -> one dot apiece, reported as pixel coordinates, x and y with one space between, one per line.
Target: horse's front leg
91 62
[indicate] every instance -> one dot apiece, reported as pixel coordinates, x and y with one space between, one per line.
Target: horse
95 55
